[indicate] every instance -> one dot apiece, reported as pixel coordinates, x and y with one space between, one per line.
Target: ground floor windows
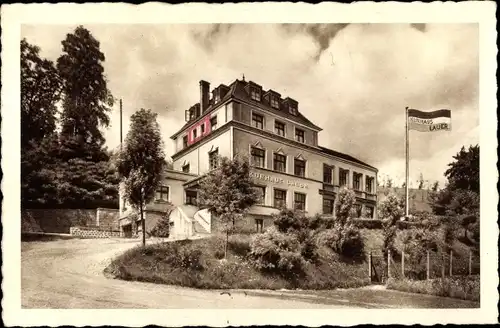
279 198
191 197
162 194
328 206
261 191
299 201
259 223
369 211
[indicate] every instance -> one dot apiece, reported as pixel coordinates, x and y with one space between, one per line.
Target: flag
438 120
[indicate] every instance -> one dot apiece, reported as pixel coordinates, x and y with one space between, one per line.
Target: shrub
289 220
367 223
309 249
239 245
191 258
320 222
329 238
162 228
351 244
276 252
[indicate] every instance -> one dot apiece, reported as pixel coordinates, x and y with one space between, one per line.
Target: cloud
354 80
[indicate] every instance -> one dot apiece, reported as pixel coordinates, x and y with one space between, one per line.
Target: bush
466 288
289 220
351 244
162 228
309 249
367 223
329 238
320 222
345 203
275 251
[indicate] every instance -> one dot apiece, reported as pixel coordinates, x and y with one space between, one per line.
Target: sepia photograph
247 165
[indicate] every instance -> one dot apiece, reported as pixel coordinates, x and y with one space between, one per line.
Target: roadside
68 274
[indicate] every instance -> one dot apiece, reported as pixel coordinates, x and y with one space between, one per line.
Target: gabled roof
237 91
344 156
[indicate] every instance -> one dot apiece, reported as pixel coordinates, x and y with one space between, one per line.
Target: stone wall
56 220
93 232
108 218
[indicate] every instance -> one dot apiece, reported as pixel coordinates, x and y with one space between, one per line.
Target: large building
289 167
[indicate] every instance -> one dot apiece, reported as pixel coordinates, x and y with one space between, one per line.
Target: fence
429 265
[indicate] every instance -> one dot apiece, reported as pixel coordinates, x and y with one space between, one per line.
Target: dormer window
195 134
275 102
292 108
255 94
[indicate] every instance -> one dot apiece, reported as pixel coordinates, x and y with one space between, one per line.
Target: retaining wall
56 220
89 232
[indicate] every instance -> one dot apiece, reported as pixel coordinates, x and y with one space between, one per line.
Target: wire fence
429 265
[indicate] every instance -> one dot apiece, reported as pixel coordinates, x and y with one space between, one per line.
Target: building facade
289 167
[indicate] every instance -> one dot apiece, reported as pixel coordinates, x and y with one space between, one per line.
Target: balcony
330 187
359 193
371 196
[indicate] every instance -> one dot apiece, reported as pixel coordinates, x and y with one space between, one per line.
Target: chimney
204 95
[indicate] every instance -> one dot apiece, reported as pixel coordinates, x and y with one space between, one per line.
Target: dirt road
68 274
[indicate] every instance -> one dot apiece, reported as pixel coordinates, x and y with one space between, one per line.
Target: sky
353 80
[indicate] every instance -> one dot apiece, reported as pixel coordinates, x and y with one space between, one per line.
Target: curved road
68 274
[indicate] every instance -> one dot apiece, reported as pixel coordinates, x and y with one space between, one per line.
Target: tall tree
141 163
228 192
87 100
40 91
463 173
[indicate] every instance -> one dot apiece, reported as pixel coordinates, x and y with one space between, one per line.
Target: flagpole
407 164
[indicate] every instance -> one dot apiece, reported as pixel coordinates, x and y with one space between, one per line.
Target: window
213 122
184 141
292 108
299 167
357 180
279 163
299 135
203 128
327 174
162 194
369 212
195 133
357 208
261 190
185 168
258 156
279 128
299 201
259 224
343 177
328 206
369 184
258 121
275 102
279 198
191 196
213 159
255 94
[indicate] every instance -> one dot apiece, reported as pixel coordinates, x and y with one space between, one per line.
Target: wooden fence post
443 265
403 264
428 266
388 264
370 266
451 262
470 263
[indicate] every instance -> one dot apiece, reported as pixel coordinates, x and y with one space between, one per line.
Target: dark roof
237 91
344 156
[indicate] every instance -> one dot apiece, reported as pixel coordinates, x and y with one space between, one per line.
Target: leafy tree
40 92
463 173
141 162
391 209
87 100
435 186
389 182
461 194
228 192
345 204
